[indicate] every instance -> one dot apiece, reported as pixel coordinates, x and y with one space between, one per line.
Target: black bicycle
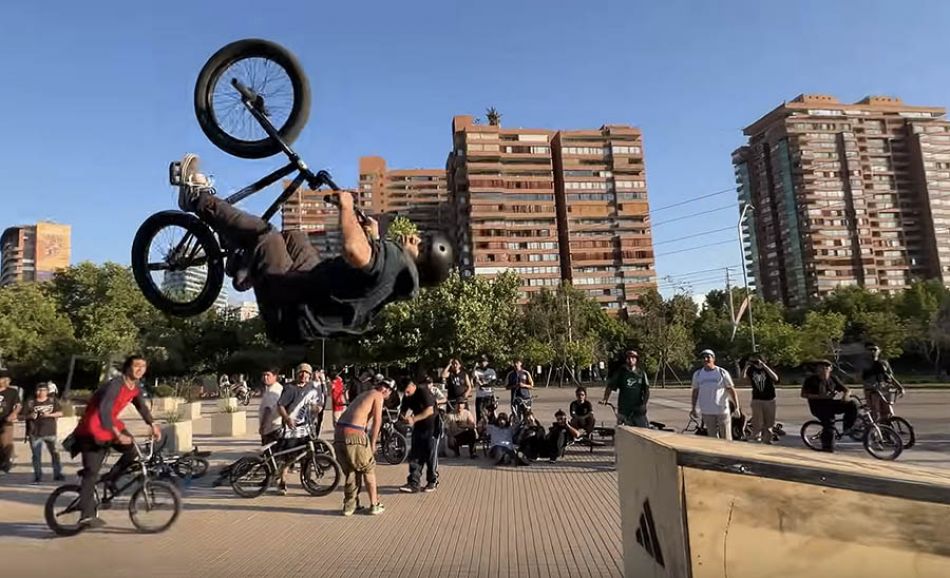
252 99
153 508
879 440
393 444
319 471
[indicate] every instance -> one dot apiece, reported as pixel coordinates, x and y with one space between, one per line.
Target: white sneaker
190 181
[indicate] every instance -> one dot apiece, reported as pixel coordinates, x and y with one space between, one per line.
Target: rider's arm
377 421
107 402
468 385
445 372
530 383
770 372
731 388
646 389
357 250
146 414
695 394
609 387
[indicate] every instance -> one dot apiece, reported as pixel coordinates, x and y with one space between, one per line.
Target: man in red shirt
100 428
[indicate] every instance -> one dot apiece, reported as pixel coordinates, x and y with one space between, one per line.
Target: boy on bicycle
302 298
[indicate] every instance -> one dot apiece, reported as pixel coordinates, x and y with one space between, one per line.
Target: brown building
603 213
845 194
421 195
550 205
33 252
307 211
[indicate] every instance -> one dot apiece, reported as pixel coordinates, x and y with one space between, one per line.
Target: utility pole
745 275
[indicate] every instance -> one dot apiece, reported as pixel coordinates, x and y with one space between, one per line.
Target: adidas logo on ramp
647 536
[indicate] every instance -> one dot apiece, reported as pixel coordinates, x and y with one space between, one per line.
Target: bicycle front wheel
903 429
154 506
320 474
250 477
395 448
270 71
177 263
811 434
883 443
62 511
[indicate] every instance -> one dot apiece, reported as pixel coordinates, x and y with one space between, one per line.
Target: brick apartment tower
845 194
421 195
603 214
33 252
551 205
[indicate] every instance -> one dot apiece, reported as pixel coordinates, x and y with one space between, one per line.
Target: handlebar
322 178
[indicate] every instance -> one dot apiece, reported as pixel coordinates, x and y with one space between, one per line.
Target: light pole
745 275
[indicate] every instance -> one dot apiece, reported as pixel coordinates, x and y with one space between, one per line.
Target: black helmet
436 258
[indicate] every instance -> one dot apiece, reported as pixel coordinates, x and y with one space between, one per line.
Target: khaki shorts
354 453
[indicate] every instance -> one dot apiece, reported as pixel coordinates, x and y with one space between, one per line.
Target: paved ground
543 520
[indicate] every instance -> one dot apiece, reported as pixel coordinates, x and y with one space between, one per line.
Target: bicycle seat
268 446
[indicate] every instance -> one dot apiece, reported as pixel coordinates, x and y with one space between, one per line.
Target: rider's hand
694 414
371 227
410 420
346 200
156 432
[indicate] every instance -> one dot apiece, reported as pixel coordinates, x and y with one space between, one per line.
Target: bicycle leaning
881 441
393 444
319 471
149 496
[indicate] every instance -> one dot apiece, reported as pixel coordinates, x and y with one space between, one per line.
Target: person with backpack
713 389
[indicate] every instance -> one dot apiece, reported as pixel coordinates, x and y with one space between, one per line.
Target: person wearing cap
485 378
356 450
41 413
821 390
763 379
298 407
634 392
713 389
9 409
878 379
424 448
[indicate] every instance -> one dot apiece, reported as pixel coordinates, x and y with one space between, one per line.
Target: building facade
190 282
33 252
845 194
306 210
421 195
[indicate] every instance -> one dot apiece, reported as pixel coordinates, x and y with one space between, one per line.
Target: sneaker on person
376 509
282 489
349 510
37 481
93 522
59 478
430 487
192 182
408 489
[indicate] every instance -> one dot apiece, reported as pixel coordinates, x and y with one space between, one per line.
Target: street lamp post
745 274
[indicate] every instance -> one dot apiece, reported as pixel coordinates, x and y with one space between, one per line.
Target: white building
190 281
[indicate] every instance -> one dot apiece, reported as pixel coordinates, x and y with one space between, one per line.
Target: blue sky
98 97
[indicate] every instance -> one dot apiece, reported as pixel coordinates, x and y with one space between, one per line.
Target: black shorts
289 444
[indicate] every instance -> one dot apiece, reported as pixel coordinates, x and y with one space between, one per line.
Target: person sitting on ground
502 449
300 296
460 426
356 451
559 434
821 391
529 437
582 412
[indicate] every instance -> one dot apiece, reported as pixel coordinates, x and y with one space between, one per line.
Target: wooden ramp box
695 507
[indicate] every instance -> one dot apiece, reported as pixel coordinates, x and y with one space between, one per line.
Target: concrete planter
229 424
162 405
179 436
227 402
64 427
190 411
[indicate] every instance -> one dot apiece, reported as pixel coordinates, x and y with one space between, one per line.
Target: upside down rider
302 298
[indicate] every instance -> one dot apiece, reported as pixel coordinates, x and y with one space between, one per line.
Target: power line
693 215
700 234
731 189
736 266
694 248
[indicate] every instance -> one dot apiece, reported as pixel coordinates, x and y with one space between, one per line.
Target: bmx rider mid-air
302 298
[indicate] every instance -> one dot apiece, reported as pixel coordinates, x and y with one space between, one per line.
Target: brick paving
557 520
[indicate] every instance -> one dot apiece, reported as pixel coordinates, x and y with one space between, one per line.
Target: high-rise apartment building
190 282
33 252
845 194
553 206
421 195
306 210
603 213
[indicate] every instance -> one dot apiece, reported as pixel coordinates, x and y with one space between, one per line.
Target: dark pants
424 453
278 263
481 403
36 445
92 457
6 446
532 443
556 441
464 438
826 410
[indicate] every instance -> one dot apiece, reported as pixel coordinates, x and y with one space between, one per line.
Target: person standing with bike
424 451
634 392
485 378
356 451
298 408
821 390
879 382
713 390
100 428
520 383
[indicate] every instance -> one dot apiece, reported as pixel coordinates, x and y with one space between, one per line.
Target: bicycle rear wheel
62 511
320 474
191 466
154 506
811 434
883 443
250 478
395 448
903 429
273 73
177 263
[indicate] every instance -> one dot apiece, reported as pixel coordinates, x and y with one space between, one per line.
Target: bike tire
250 478
214 278
903 429
324 447
884 446
194 466
315 468
211 73
154 491
811 434
395 449
51 515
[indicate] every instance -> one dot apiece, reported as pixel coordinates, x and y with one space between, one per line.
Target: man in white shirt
485 377
267 416
712 391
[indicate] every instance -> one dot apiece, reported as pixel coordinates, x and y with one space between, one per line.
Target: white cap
707 352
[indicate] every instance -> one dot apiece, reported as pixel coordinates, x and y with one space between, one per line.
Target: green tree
821 335
36 339
920 307
663 331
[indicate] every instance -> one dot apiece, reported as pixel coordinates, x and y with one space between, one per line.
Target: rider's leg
92 458
303 255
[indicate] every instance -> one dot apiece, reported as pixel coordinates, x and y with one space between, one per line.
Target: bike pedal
174 173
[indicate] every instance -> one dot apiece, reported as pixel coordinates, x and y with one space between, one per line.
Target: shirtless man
355 450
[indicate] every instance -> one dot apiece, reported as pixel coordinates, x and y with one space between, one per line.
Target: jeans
585 423
92 457
634 420
36 444
718 425
763 419
826 410
424 453
556 441
463 438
